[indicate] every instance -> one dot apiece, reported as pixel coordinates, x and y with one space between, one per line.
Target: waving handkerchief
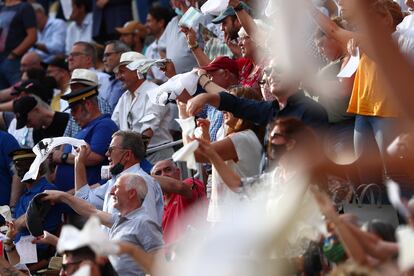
186 154
44 148
405 238
91 235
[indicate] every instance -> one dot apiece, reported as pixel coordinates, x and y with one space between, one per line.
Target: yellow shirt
369 96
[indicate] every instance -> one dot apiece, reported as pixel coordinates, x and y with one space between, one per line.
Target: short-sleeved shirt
249 154
137 228
56 128
52 220
7 145
174 221
14 21
98 134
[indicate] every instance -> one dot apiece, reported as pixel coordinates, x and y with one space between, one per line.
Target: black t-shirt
56 128
14 20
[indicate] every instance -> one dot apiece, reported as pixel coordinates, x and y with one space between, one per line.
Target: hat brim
116 69
219 19
21 122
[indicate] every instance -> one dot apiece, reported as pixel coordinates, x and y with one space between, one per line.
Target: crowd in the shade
127 128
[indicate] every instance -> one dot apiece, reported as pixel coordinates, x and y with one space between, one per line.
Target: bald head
30 60
166 168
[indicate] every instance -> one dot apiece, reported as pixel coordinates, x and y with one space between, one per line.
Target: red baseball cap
223 62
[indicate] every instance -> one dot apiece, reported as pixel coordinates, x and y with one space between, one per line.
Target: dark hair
161 13
133 141
87 4
251 94
86 253
382 229
89 50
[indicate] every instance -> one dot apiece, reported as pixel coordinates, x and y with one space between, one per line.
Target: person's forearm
80 206
27 42
201 57
248 24
173 186
7 106
80 175
20 222
13 257
209 86
144 259
229 177
17 189
352 246
6 269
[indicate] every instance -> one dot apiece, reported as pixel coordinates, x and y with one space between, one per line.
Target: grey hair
38 7
132 140
89 50
119 46
136 182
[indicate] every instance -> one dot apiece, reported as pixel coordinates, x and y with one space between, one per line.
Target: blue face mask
178 12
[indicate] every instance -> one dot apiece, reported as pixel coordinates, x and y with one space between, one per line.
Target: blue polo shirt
7 145
53 219
98 134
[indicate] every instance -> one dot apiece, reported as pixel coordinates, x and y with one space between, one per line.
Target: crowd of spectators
321 114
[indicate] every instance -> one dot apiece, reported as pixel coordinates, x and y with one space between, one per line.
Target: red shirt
174 223
247 76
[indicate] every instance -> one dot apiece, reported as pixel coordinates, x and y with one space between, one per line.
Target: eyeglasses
111 149
108 54
277 135
76 54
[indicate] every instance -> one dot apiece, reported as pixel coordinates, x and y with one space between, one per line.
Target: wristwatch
239 7
64 158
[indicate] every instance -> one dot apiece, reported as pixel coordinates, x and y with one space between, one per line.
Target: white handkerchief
84 270
27 250
187 125
191 19
189 81
393 191
405 239
214 7
91 235
186 154
351 67
6 212
66 7
44 148
141 65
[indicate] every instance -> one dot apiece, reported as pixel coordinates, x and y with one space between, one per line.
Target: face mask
117 169
275 152
333 249
178 12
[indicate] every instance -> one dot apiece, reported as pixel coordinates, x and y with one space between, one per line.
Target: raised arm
80 206
174 186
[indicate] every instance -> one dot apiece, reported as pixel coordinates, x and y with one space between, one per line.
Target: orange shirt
369 96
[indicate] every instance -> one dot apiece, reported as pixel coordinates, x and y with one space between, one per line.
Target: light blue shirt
100 197
137 228
53 37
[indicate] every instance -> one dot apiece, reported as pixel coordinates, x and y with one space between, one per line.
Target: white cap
84 76
127 58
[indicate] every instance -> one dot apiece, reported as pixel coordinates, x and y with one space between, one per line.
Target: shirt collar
134 213
37 188
86 21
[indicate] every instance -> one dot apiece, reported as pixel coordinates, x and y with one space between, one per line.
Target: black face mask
117 169
275 152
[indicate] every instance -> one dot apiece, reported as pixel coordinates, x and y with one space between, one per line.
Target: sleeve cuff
83 192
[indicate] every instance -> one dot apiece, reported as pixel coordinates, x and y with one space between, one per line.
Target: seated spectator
126 155
97 129
51 34
112 54
80 29
136 112
132 224
22 159
34 113
83 56
184 200
18 22
82 78
157 20
133 35
10 189
240 146
58 70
